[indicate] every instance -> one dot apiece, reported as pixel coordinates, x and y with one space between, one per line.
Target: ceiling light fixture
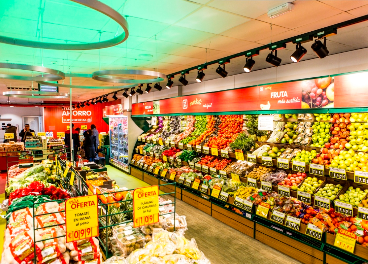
139 90
99 100
273 59
200 76
82 105
249 63
320 48
182 78
148 89
88 104
132 92
298 53
169 83
221 71
158 86
114 96
125 94
105 100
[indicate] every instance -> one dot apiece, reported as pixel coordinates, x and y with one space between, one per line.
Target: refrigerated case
119 151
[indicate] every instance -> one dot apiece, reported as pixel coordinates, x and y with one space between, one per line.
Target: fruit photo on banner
318 93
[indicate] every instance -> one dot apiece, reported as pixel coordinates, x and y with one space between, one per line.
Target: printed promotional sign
81 218
145 206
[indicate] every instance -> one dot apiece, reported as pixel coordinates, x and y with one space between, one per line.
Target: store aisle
220 243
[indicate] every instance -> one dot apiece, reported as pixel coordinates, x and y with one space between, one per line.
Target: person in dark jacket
26 132
76 142
13 130
89 145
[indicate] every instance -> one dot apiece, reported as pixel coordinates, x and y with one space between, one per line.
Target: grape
304 93
312 95
307 100
324 97
324 102
317 103
319 91
319 99
314 90
323 93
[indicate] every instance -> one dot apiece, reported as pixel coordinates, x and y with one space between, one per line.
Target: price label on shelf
252 182
292 222
248 205
322 202
188 182
222 172
66 171
298 166
171 159
282 163
239 154
252 158
206 150
181 179
278 217
361 177
163 172
160 141
283 191
151 153
164 157
204 188
316 169
143 139
191 164
345 240
344 208
267 161
266 186
149 140
167 143
204 168
363 213
145 166
196 184
239 202
198 148
178 161
8 135
172 175
181 145
157 155
215 191
313 231
154 141
213 171
172 144
304 197
140 151
235 177
198 166
41 134
60 134
214 151
150 169
262 210
224 196
156 171
72 175
338 174
189 147
224 153
139 139
144 152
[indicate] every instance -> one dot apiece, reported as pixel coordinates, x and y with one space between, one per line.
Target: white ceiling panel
345 5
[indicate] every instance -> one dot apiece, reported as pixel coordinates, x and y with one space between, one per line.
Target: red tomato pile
222 164
206 160
170 152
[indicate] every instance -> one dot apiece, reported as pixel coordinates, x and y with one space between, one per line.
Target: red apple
327 145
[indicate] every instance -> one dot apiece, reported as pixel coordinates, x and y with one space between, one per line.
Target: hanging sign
60 134
84 127
8 136
345 240
41 134
239 154
81 218
145 206
265 122
316 169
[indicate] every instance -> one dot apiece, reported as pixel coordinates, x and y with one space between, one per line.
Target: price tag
41 134
292 222
277 217
157 155
361 177
181 145
172 144
282 163
284 191
198 148
145 166
157 169
204 169
338 174
154 141
239 154
181 179
223 172
143 139
72 178
215 191
304 197
196 184
149 140
266 186
313 231
363 213
163 172
248 205
151 153
224 196
298 166
252 182
214 151
144 152
316 169
171 159
206 150
267 161
213 171
172 175
66 171
262 210
140 151
204 188
191 165
139 139
235 177
178 161
239 202
224 153
198 166
160 141
252 158
322 202
60 134
150 169
8 135
84 127
164 157
189 147
345 240
188 182
344 208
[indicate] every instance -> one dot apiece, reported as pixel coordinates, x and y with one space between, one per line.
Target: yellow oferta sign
145 206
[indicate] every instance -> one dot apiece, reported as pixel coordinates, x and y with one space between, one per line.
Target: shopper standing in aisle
76 142
96 135
26 132
13 130
89 145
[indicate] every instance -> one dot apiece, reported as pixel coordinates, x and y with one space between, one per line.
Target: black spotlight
200 76
298 53
99 100
148 89
249 63
125 94
139 90
132 92
320 48
158 86
273 59
105 99
183 80
169 83
82 105
221 71
88 104
114 96
77 106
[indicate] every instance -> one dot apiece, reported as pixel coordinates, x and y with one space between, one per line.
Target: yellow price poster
33 134
345 240
145 206
262 210
8 136
41 134
239 154
214 151
163 172
160 141
157 169
164 157
196 184
81 218
84 127
215 191
66 171
172 175
60 134
72 179
235 177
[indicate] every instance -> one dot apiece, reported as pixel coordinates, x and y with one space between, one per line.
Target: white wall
356 60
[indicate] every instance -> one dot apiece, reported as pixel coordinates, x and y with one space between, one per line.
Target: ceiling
165 35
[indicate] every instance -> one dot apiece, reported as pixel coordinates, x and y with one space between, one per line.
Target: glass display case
119 152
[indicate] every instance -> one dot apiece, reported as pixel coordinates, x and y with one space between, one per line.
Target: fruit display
353 196
261 150
174 125
293 180
251 126
289 153
210 127
171 152
273 152
321 134
290 132
241 167
318 93
243 142
274 177
277 133
189 128
329 191
310 185
199 127
206 160
187 155
222 164
244 192
258 172
305 156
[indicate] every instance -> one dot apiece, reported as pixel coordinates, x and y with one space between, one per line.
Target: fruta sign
81 218
145 206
